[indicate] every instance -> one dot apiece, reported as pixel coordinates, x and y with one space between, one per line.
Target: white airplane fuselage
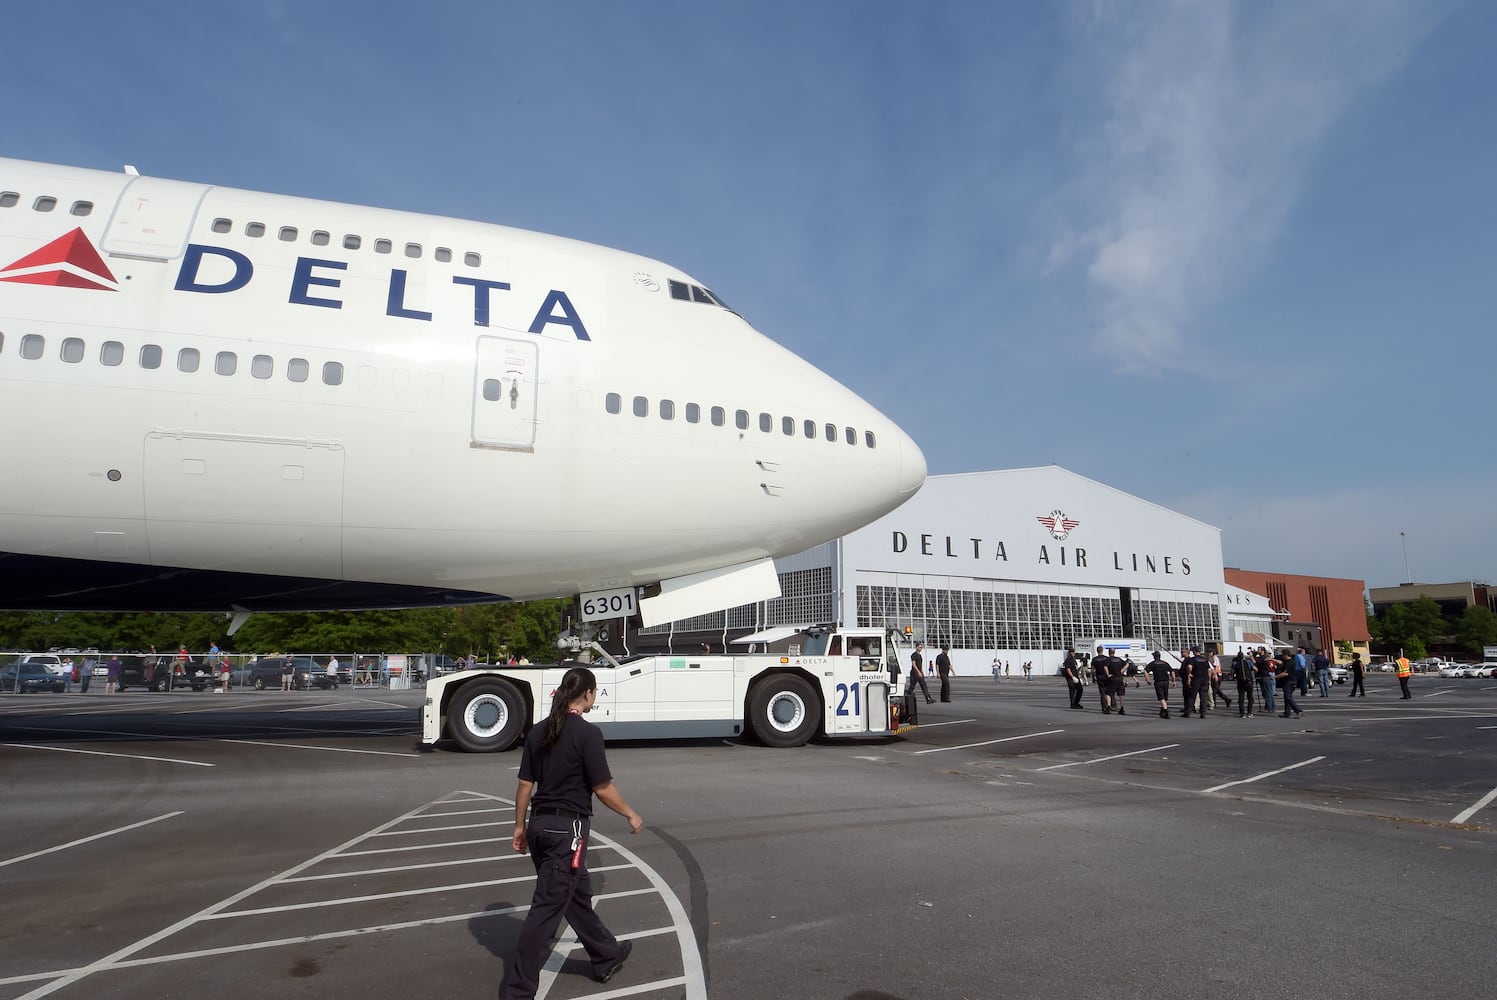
215 399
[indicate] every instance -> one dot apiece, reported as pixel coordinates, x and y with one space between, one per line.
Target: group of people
943 668
1000 669
1282 672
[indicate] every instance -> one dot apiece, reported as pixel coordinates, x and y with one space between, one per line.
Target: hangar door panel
247 505
504 394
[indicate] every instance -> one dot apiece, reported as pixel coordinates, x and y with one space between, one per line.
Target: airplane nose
911 465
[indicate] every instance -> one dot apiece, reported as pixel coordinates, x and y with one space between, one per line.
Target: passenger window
262 366
831 432
83 208
492 390
32 346
221 225
869 439
255 229
667 409
766 423
287 234
740 418
444 255
641 406
226 363
383 246
852 436
2 342
352 242
9 199
332 373
45 203
413 250
613 402
787 426
150 356
472 259
72 350
693 413
188 359
297 370
810 429
320 238
718 416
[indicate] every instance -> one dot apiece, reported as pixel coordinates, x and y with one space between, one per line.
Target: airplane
225 400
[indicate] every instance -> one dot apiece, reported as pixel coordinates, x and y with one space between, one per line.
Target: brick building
1337 607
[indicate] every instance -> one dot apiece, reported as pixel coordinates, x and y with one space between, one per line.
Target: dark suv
266 672
161 673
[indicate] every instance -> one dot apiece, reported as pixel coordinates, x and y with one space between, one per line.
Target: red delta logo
70 261
1058 525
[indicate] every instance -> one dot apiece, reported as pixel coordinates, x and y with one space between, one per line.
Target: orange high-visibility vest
1403 667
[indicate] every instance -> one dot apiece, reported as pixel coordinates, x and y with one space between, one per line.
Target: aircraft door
153 218
504 394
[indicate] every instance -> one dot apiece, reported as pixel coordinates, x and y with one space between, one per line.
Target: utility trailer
840 683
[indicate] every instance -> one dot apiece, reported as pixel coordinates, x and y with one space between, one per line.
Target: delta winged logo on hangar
69 261
1058 524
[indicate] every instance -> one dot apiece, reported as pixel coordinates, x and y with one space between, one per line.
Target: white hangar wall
1017 564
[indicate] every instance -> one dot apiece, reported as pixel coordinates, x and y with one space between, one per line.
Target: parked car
29 678
1449 670
49 661
166 673
1488 669
1339 675
264 673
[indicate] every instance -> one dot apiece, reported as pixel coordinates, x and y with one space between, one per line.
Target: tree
1477 629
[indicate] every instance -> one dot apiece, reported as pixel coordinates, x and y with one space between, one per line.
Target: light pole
1405 539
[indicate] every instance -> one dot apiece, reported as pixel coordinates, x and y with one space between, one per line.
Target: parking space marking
303 746
1099 760
406 868
85 840
442 829
1436 694
569 942
1481 804
692 976
988 743
106 753
934 725
1260 777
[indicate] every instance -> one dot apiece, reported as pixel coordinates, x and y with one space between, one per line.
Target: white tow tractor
841 682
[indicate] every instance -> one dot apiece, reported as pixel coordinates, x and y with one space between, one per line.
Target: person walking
1242 672
1183 673
1218 695
1161 673
1322 672
917 671
1071 670
1102 674
562 766
944 671
1403 669
997 669
1357 670
1302 671
1287 684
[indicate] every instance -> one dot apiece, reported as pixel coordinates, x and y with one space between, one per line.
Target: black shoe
1298 714
930 701
1106 710
1120 710
1284 716
625 947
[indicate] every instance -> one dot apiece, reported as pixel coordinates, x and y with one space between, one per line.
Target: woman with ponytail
562 767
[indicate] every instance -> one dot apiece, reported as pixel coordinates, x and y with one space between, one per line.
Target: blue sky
1235 258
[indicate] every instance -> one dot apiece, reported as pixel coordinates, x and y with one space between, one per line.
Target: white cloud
1207 116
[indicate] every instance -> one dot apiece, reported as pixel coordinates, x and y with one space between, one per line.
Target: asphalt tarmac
299 845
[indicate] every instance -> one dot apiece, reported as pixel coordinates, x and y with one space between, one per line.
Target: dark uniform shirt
1200 670
1159 670
1069 668
566 774
943 664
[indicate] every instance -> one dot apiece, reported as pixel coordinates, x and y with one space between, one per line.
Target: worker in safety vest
1404 670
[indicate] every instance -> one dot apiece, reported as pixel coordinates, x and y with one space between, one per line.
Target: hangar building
1014 564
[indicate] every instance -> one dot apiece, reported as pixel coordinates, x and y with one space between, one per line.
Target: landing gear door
504 394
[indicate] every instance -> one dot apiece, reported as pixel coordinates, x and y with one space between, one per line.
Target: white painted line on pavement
1116 756
408 868
935 725
1481 804
1420 718
106 753
1436 694
441 829
303 746
1265 774
85 840
988 743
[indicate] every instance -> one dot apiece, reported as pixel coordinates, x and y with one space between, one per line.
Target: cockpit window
683 292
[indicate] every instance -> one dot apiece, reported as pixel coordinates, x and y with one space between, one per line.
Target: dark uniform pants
1075 689
1245 697
946 687
560 890
1200 690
